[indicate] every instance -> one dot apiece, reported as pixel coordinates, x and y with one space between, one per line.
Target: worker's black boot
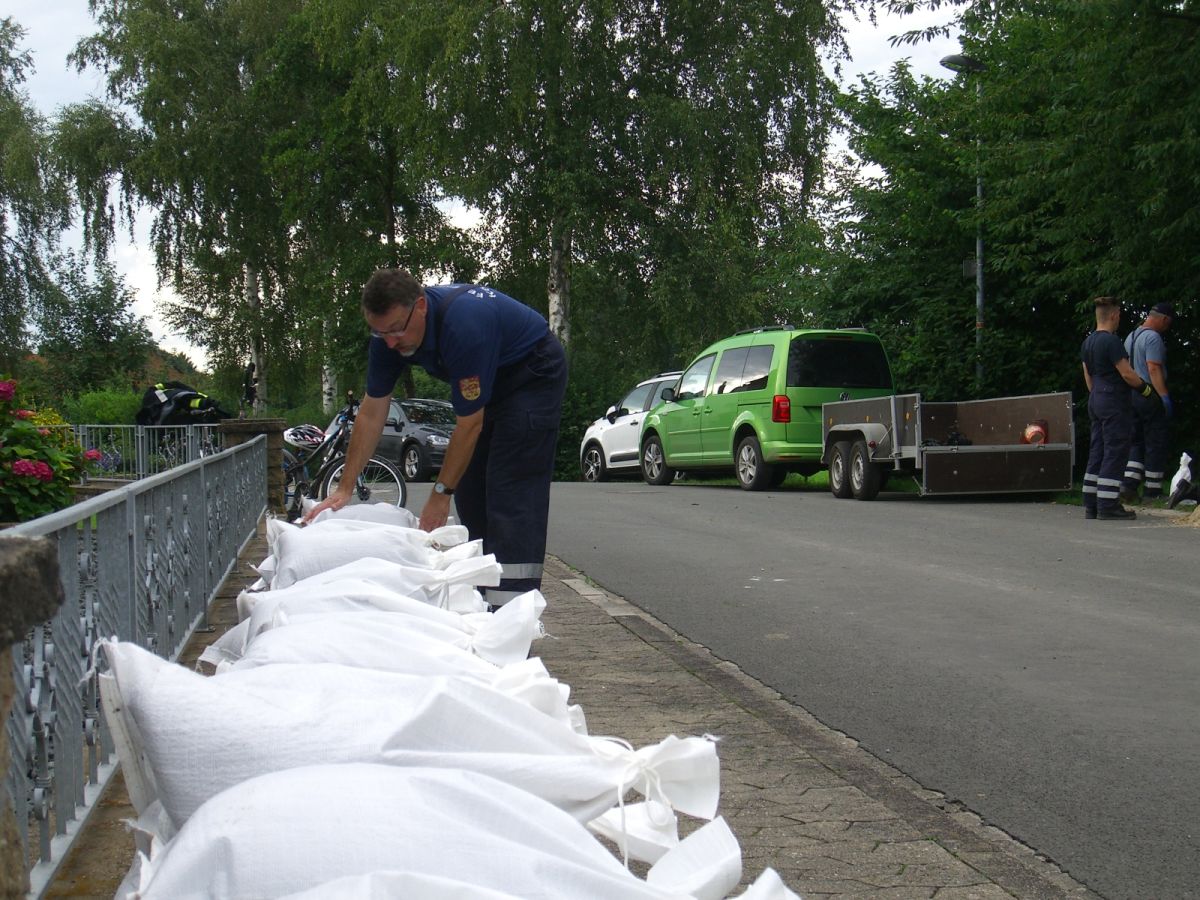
1117 512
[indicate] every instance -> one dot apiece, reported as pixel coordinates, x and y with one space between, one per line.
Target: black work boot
1117 512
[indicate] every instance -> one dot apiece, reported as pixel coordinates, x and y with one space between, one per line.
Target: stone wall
239 431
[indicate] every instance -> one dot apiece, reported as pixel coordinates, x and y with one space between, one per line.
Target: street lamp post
961 64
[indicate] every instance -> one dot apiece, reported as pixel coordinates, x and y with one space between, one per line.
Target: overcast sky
52 28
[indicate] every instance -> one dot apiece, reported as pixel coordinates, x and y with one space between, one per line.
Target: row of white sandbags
198 752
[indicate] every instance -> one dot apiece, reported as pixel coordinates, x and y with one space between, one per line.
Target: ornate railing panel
138 451
140 563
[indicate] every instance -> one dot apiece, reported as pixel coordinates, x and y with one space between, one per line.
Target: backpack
176 403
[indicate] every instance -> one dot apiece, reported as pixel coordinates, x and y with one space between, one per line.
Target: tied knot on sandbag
639 773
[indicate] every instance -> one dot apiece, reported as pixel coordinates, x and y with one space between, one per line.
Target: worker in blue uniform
1148 451
1109 377
507 374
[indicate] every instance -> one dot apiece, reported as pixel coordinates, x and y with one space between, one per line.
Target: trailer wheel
864 474
839 470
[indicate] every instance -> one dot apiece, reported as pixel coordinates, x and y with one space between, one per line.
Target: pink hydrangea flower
30 469
23 413
92 455
7 390
44 431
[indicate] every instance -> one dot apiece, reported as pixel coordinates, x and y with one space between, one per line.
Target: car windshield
837 361
429 413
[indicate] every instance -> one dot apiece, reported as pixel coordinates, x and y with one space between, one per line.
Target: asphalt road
1039 668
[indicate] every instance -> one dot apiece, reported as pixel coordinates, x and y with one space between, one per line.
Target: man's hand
334 501
435 512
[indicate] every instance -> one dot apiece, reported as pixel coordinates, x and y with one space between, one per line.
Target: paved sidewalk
801 798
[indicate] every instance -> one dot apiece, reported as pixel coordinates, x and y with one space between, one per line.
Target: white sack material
379 513
285 832
228 648
396 576
349 641
197 736
431 588
1184 473
302 552
503 637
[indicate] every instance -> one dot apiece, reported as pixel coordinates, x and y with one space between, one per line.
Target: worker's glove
1168 406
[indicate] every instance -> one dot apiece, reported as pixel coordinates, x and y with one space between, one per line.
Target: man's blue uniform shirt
1146 344
482 331
1101 352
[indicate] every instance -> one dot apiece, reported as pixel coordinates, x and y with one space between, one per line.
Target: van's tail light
781 409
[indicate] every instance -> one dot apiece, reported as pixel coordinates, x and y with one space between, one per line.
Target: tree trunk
258 354
328 377
558 284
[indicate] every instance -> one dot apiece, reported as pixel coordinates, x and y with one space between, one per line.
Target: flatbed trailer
962 447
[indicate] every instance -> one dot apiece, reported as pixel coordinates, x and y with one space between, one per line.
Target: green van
752 403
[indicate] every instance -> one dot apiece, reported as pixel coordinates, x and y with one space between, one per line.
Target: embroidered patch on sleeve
469 387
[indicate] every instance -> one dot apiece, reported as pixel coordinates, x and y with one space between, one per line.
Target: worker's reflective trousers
1111 413
504 496
1148 449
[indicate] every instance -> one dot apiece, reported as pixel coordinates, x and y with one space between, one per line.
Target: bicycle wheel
294 479
380 482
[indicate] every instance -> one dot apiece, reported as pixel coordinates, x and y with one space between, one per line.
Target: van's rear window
817 361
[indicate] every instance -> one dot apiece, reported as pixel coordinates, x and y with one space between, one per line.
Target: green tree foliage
33 206
899 226
88 335
1086 130
628 160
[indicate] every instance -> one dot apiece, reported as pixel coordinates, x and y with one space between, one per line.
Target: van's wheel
753 474
864 474
654 463
839 470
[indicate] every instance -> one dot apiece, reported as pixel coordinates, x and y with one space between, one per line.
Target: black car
415 436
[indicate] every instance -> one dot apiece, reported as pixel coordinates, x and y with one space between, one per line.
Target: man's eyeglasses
396 333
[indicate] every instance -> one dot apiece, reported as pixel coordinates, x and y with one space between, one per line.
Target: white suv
610 445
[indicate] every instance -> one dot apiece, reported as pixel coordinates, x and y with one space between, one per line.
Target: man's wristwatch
1146 390
440 488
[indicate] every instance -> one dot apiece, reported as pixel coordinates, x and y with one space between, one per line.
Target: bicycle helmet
307 437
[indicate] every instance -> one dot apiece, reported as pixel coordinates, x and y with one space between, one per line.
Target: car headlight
436 440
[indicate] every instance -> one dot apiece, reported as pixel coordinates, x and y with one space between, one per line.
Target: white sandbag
379 513
201 735
502 637
302 552
351 641
430 588
452 588
395 885
1183 475
228 648
285 832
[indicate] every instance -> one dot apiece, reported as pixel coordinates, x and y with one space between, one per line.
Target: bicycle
379 480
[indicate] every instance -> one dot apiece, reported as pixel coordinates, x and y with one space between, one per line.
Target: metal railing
141 563
138 451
